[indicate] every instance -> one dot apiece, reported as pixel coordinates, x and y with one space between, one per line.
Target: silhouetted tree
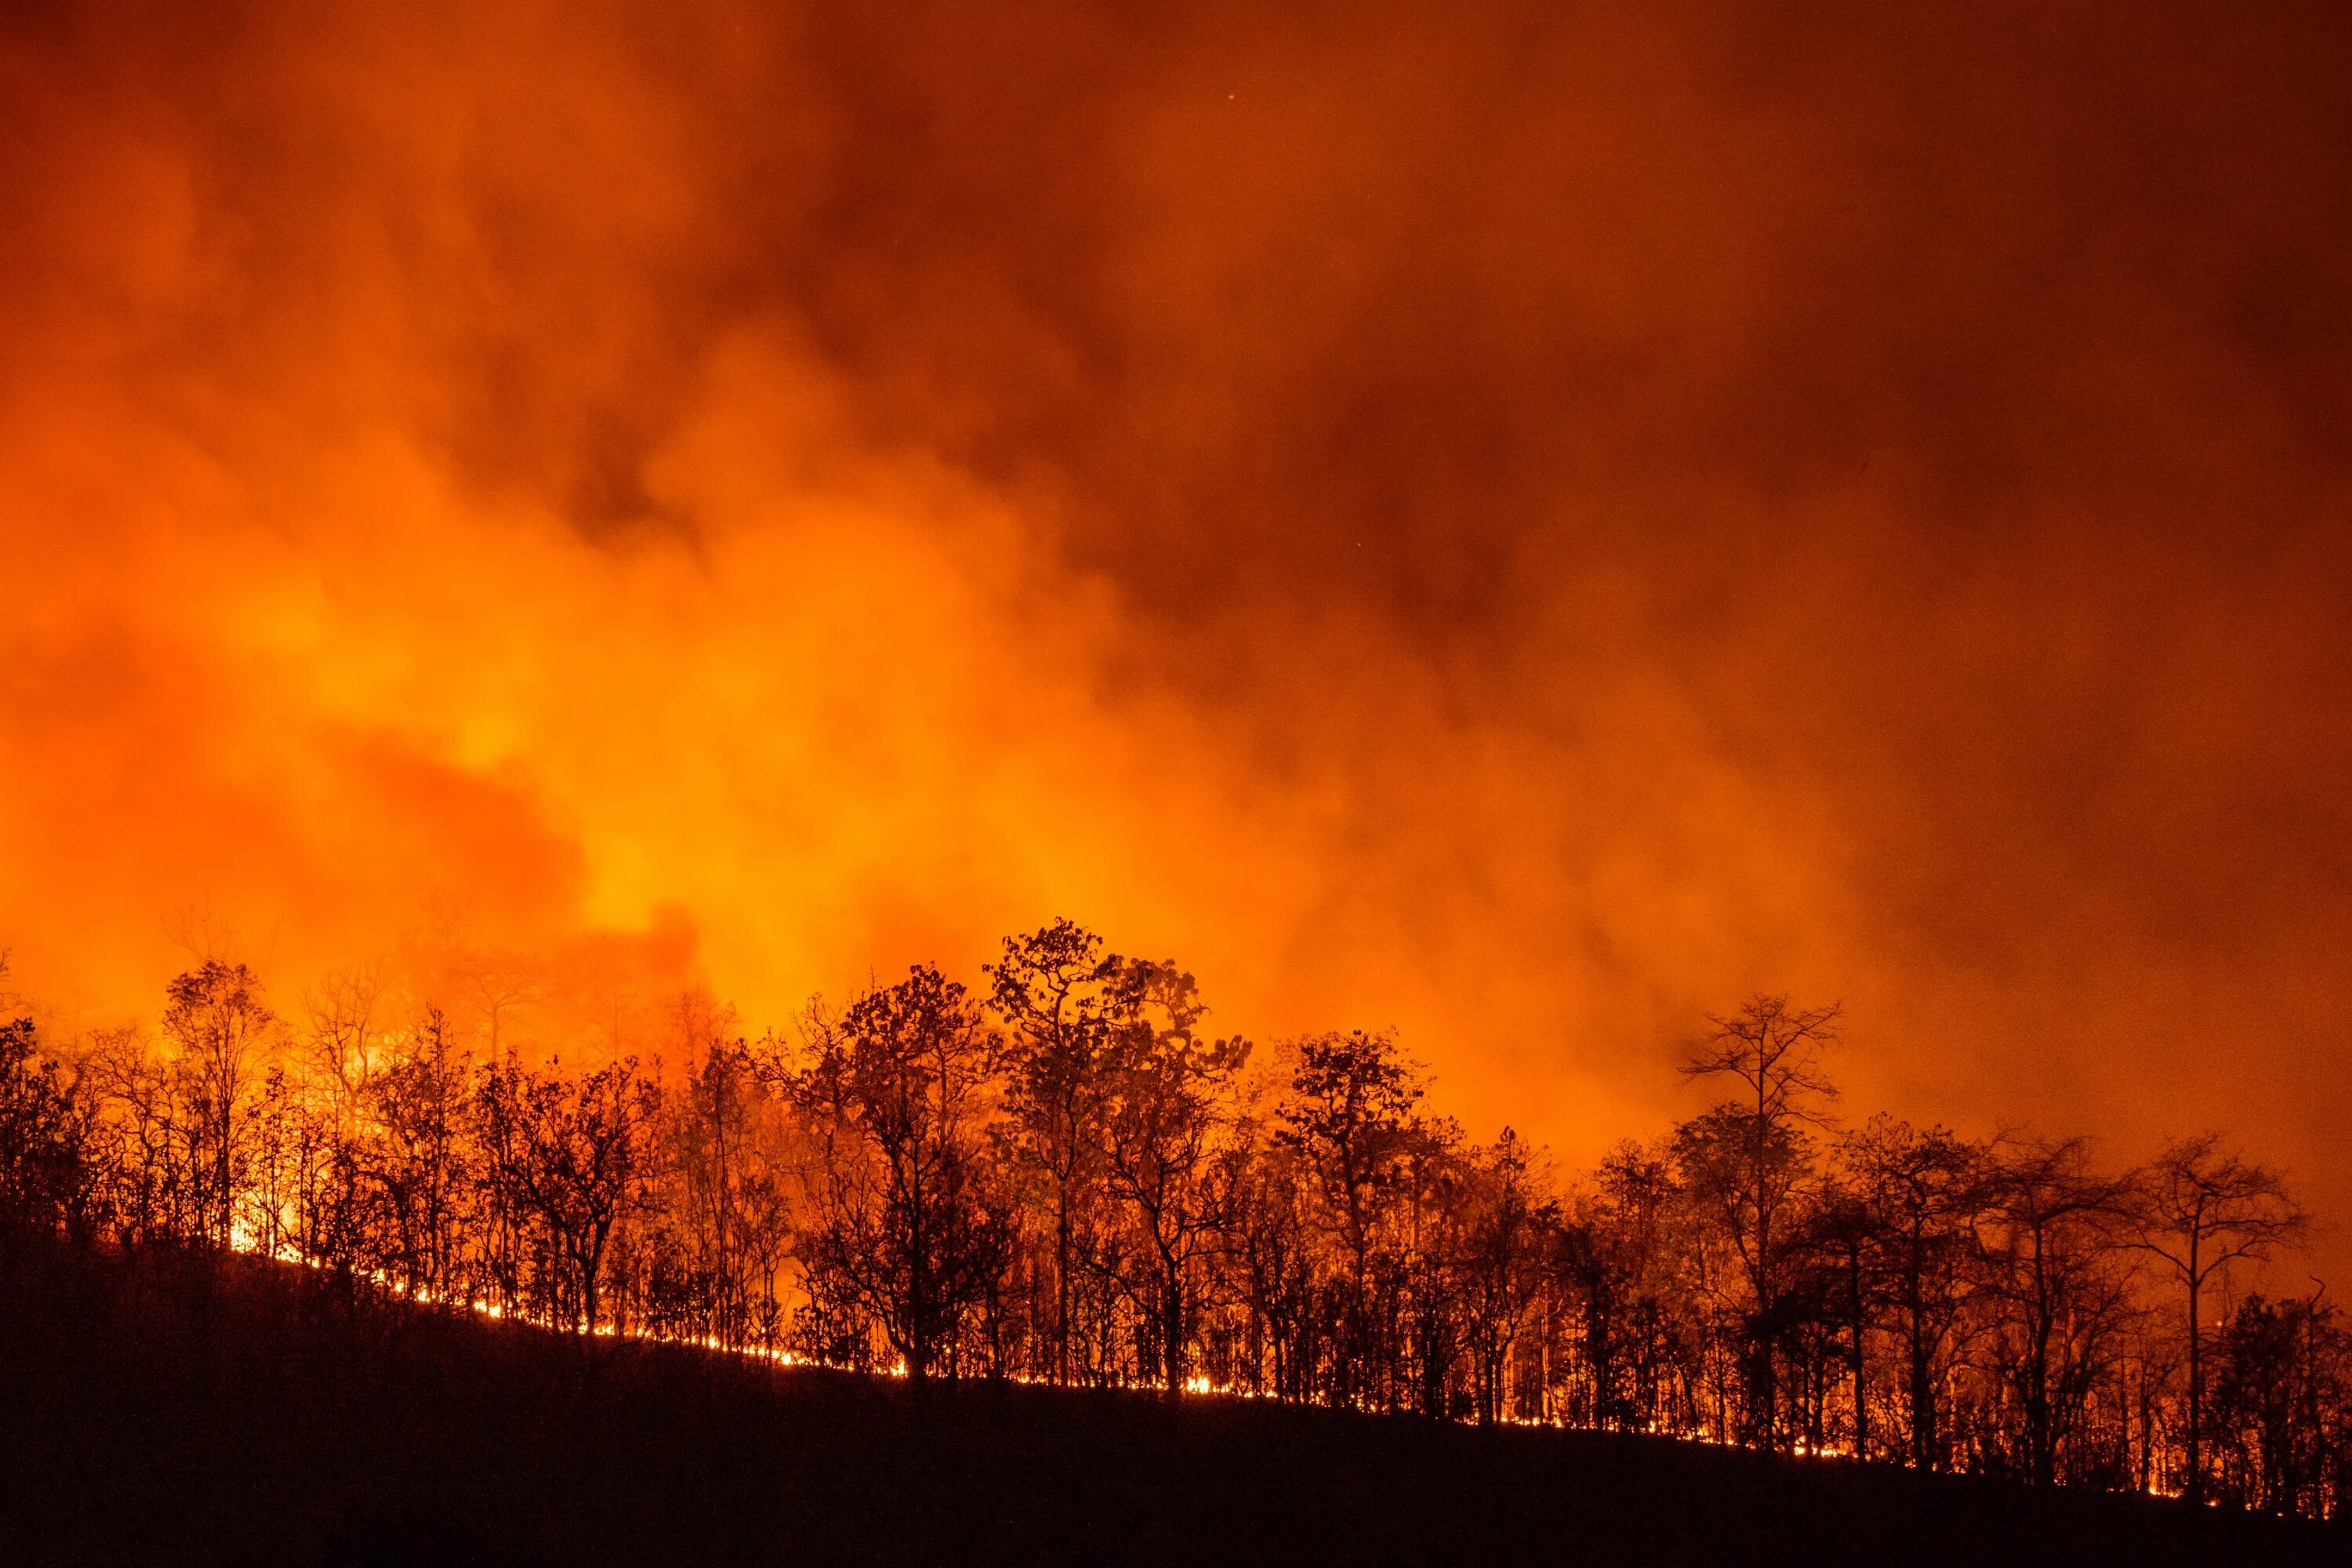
1102 1192
2055 1227
2200 1210
570 1152
1619 1261
1271 1248
44 1157
1168 1085
419 1153
1920 1195
1749 1158
343 1039
2282 1406
146 1142
1509 1227
215 1016
902 1091
727 1206
1053 990
1351 1114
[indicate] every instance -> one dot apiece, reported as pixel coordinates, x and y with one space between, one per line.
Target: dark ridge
197 1410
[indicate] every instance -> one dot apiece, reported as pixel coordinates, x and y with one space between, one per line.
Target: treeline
1066 1178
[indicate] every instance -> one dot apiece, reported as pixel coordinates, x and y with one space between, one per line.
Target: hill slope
235 1412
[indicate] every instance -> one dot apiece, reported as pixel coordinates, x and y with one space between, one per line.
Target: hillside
198 1411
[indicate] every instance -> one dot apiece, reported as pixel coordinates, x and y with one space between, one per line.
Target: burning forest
1716 631
1066 1178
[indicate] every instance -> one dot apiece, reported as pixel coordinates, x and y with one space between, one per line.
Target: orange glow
1520 529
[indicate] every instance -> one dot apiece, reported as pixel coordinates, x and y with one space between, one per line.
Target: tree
45 1167
711 1135
143 1165
1615 1256
1352 1115
416 1101
728 1194
45 1172
1426 1327
1271 1248
2200 1210
1509 1226
1167 1088
1750 1157
216 1017
503 984
1053 990
2282 1405
2056 1226
1919 1196
1843 1239
905 1227
342 1039
570 1152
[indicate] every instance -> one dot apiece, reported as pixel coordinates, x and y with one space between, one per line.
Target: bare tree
503 983
1751 1153
342 1011
1921 1196
146 1141
2201 1209
2057 1227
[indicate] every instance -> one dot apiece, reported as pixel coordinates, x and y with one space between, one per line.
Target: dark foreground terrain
191 1413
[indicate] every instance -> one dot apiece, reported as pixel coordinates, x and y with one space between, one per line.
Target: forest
1062 1175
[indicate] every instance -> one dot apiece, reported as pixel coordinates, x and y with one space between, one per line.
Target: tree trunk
1857 1353
1923 1395
2194 1489
1171 1324
1062 1285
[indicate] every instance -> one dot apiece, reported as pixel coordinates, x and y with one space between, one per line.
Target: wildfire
538 542
245 1240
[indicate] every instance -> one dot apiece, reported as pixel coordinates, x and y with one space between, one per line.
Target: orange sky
1518 524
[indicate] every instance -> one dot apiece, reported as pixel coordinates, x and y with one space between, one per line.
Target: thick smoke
1524 522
